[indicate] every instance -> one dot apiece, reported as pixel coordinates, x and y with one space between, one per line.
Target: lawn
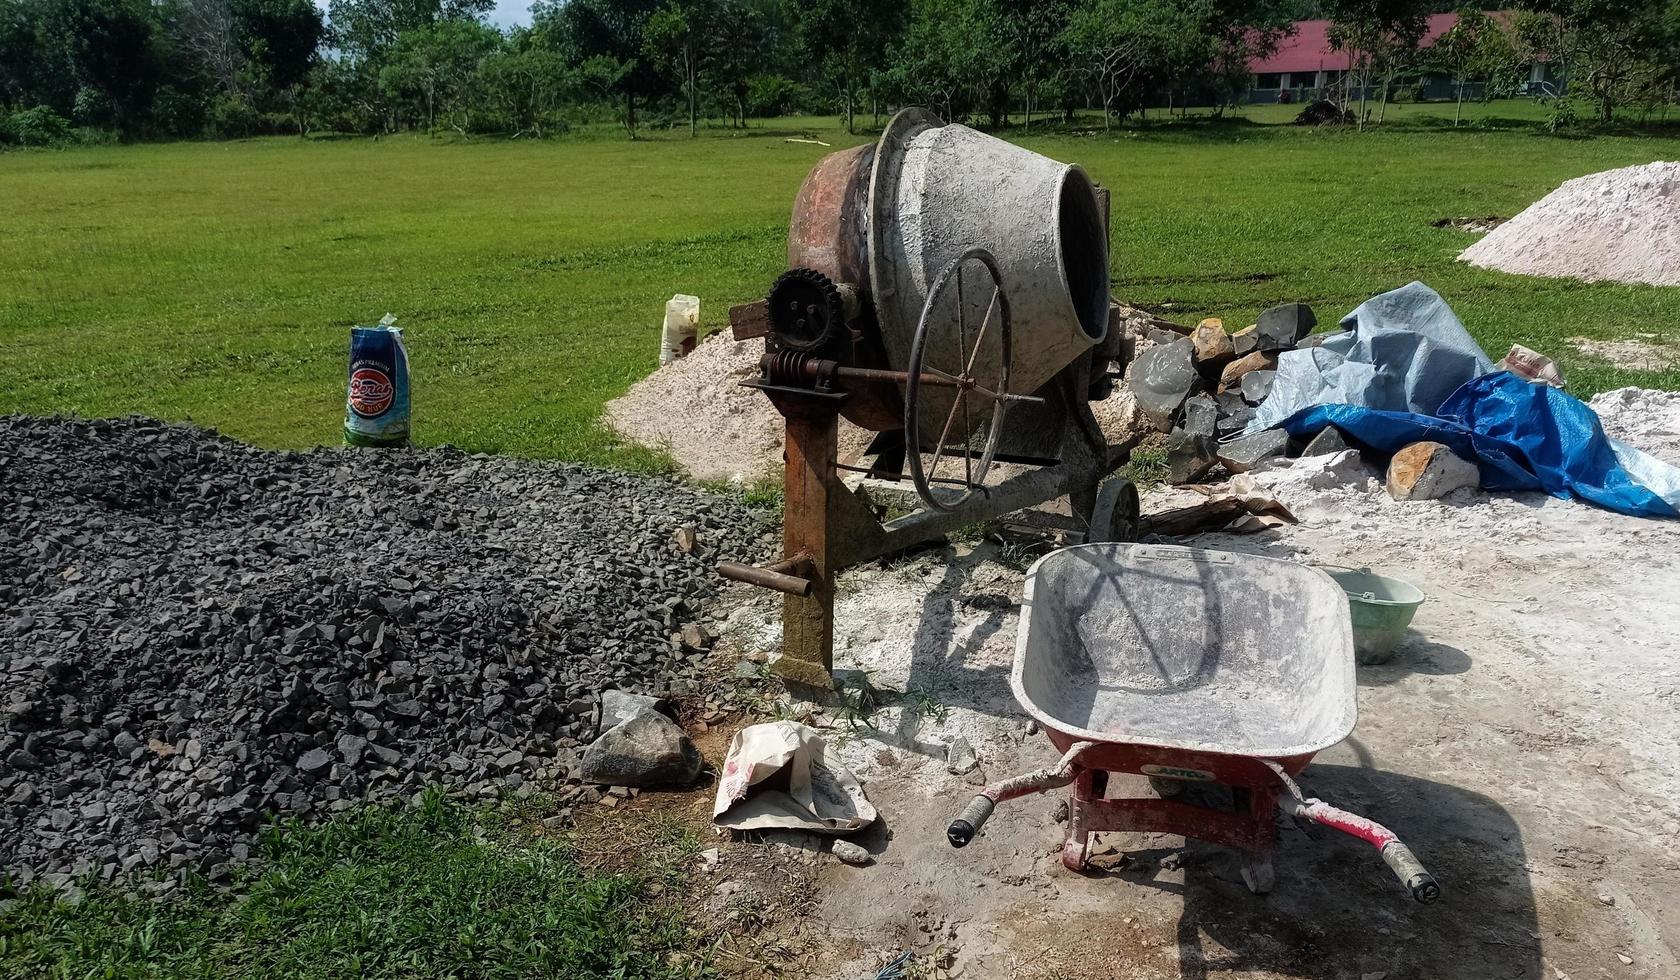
215 281
429 890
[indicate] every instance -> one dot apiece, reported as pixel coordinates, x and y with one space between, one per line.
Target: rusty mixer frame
814 370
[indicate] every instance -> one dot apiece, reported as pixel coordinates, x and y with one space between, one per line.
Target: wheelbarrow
1186 666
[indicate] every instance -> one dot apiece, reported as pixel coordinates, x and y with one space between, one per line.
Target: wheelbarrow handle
969 822
974 816
1396 855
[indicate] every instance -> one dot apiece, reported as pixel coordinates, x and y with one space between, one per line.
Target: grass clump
420 891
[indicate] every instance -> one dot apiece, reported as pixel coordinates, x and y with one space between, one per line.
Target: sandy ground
1525 741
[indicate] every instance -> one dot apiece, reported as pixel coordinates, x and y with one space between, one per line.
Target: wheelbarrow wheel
1165 788
1117 513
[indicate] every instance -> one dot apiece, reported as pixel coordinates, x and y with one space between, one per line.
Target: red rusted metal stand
1248 827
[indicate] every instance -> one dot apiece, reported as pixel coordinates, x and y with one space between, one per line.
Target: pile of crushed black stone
196 634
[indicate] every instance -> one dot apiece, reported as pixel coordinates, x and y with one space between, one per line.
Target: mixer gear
806 311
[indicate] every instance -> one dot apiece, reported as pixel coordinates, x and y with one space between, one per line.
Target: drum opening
1084 252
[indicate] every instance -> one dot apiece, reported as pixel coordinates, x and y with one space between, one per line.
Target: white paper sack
783 775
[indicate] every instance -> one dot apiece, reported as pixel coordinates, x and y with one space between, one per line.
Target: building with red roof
1305 64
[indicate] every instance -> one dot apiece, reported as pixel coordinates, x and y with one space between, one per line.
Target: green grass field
215 281
430 890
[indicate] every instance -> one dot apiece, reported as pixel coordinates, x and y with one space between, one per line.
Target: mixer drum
887 218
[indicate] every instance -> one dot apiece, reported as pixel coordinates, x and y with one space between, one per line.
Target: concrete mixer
949 291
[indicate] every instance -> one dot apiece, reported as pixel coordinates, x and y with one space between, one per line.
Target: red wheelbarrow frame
1258 785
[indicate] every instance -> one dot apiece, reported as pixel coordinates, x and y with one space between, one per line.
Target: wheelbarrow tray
1185 656
1186 665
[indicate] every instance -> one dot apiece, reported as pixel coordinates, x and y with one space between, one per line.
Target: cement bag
782 774
682 325
376 411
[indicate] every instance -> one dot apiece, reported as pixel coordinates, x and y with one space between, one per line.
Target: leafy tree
735 43
1033 31
1129 47
437 66
117 57
365 28
1378 35
1616 51
1474 48
606 40
527 82
847 40
672 39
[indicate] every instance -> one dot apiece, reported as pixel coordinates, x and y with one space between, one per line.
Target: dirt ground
1525 741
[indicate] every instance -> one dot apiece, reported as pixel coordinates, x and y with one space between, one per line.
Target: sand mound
696 410
1618 225
1642 417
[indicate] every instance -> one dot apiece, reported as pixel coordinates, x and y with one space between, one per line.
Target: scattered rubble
196 634
1202 389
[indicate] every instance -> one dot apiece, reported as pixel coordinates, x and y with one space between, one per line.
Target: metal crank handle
1410 871
969 822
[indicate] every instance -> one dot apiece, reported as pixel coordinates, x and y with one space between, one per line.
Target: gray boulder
1161 378
647 751
1282 327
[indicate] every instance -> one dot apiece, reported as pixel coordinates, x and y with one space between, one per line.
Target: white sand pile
696 410
1644 418
1618 225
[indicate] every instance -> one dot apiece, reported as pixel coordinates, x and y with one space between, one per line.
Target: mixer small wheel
1117 514
972 365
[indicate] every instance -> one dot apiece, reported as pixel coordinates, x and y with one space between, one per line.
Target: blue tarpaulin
1523 436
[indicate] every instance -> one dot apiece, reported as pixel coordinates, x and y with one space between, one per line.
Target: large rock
1213 349
649 750
1244 341
1234 371
1161 378
1428 471
1282 327
1256 385
1329 440
1246 452
1234 423
1201 414
1189 456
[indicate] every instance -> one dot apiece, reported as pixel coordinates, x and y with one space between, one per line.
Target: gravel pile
1618 225
195 633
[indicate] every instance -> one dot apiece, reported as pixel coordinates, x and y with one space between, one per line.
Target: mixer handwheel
950 358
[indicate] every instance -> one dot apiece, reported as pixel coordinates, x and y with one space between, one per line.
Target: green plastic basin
1381 609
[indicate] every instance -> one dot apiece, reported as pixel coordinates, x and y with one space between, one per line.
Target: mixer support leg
807 481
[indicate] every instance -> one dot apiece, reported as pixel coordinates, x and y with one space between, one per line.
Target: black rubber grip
1411 873
969 822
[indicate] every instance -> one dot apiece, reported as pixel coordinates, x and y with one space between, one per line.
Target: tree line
153 69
